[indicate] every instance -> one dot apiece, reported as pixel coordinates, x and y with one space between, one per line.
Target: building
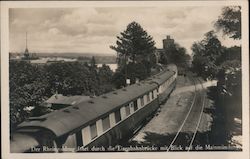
26 52
162 53
27 55
167 42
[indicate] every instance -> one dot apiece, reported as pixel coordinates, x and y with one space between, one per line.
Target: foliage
199 60
134 48
176 54
229 76
119 78
136 71
31 85
105 74
212 60
163 59
93 62
105 77
230 22
206 55
27 88
134 43
232 53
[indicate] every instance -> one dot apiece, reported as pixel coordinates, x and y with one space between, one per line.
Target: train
102 121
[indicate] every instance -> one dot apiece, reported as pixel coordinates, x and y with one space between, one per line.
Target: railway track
186 134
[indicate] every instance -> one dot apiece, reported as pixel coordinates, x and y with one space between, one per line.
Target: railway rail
187 139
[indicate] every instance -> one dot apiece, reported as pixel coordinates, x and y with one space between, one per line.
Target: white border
72 4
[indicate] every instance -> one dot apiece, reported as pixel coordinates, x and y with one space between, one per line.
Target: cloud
90 29
54 31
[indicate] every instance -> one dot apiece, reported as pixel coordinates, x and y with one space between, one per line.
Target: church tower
26 52
167 42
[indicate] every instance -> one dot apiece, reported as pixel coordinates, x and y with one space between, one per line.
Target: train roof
161 78
68 119
66 100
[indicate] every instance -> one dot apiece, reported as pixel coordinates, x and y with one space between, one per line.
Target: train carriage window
152 95
93 131
132 106
127 110
148 98
145 99
105 123
142 101
117 116
135 105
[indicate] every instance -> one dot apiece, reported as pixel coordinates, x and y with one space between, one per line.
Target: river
113 66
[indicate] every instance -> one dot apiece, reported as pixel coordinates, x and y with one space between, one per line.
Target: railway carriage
166 82
102 121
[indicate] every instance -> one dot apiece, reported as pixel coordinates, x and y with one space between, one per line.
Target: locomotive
103 121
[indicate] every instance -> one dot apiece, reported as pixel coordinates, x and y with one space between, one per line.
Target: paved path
188 88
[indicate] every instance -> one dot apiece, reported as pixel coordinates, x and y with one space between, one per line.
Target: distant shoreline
83 57
64 54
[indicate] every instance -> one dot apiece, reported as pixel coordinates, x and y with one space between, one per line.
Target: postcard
125 79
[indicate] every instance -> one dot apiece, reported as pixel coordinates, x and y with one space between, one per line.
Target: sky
94 29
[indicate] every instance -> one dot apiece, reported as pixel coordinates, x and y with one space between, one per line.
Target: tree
134 45
73 78
105 76
230 70
176 54
232 77
28 88
231 53
31 85
206 55
135 71
173 53
199 61
230 22
93 62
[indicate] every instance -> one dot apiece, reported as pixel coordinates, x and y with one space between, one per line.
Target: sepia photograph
108 78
